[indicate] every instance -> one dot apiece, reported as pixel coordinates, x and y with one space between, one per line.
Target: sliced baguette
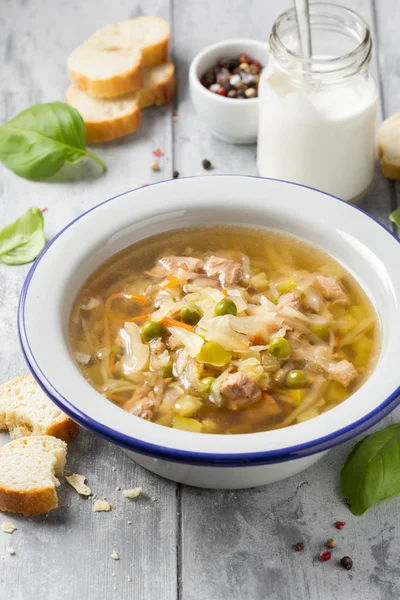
110 63
26 410
109 119
28 470
388 141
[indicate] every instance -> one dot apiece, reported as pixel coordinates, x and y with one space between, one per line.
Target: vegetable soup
223 330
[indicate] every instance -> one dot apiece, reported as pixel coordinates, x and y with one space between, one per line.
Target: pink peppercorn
325 555
340 524
299 546
222 92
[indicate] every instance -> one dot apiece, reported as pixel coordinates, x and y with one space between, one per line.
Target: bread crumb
132 493
8 527
129 578
129 522
115 555
118 489
101 506
11 550
78 483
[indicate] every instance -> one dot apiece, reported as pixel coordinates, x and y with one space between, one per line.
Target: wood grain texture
214 544
68 554
240 545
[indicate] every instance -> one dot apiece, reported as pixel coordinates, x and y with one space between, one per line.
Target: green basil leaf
36 143
23 240
371 472
395 217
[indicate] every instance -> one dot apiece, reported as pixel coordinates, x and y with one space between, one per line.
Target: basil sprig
23 240
36 143
372 470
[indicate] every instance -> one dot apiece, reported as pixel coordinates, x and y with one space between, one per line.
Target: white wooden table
175 543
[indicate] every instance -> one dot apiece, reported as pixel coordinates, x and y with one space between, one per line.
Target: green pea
151 330
320 330
296 379
280 348
190 315
225 307
167 371
206 383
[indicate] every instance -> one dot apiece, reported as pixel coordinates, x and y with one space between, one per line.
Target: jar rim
363 45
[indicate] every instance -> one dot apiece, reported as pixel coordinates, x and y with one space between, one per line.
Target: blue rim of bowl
184 456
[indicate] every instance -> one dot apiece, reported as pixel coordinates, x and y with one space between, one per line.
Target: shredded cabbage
136 352
191 341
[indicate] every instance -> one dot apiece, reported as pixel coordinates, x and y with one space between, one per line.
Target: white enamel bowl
361 244
233 120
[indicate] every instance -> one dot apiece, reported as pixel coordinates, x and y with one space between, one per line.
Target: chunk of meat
291 299
171 264
142 404
332 290
239 387
343 372
228 271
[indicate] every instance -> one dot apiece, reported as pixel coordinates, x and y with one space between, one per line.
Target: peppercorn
325 555
331 543
175 174
340 524
232 94
207 164
299 546
250 92
241 73
155 165
346 563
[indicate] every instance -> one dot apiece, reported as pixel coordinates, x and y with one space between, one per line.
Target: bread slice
110 63
28 469
26 410
108 119
388 141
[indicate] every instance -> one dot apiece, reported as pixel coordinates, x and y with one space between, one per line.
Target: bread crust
388 147
28 502
161 93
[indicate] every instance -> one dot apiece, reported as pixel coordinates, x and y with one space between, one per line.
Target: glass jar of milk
318 116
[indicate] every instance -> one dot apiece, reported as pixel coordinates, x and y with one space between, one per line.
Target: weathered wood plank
68 553
239 545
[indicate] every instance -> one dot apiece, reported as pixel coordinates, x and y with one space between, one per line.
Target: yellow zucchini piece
286 285
187 406
359 312
345 324
165 420
186 424
363 344
209 426
336 392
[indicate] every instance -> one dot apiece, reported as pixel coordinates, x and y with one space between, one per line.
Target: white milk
324 139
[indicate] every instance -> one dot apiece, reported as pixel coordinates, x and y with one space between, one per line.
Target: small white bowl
366 249
233 120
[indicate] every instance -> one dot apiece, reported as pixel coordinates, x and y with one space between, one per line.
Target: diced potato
345 324
359 312
296 395
209 426
165 420
338 311
186 424
307 415
361 360
266 408
259 282
364 344
187 406
286 285
336 393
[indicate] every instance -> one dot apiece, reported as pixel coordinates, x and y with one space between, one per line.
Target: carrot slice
258 340
169 281
174 323
139 318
